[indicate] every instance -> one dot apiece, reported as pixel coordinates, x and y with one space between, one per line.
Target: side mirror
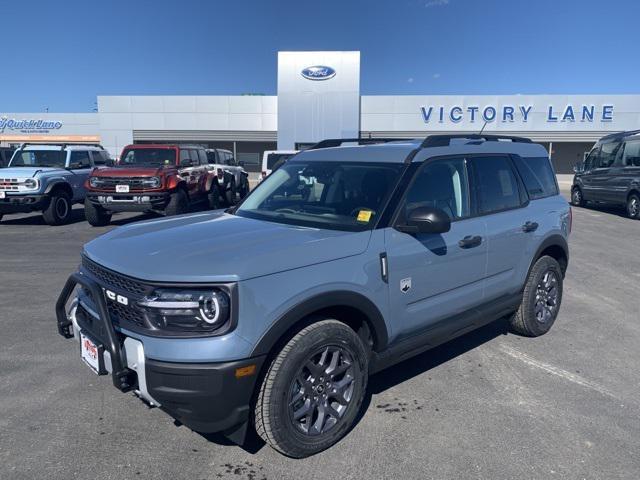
426 220
578 167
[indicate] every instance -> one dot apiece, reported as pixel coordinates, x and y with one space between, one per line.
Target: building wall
122 116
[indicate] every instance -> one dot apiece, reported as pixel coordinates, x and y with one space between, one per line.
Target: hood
26 172
125 172
218 247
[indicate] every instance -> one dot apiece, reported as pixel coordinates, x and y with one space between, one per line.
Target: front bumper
130 202
206 397
23 203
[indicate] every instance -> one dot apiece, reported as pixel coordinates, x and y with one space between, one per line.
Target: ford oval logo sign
318 72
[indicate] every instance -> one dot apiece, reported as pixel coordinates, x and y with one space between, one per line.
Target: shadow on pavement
396 374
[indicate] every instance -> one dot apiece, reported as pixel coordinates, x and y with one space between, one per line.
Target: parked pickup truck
164 179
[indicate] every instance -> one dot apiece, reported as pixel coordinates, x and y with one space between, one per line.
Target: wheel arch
59 185
354 309
555 246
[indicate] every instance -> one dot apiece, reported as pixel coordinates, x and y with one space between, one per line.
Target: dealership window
496 184
631 154
538 176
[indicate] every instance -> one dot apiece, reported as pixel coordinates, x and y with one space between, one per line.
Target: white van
271 157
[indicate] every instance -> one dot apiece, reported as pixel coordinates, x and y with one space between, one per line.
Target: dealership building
318 97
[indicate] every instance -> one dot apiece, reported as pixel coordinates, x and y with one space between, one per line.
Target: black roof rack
445 140
336 142
63 145
614 136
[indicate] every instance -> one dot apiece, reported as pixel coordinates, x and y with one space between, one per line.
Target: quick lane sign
28 125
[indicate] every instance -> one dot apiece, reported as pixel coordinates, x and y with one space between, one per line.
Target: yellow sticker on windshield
364 216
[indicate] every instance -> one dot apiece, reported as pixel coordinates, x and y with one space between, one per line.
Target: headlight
95 182
31 183
187 310
151 182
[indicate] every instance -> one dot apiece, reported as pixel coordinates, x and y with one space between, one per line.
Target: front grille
10 184
115 280
123 314
135 183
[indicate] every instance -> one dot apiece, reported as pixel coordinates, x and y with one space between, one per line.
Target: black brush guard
123 378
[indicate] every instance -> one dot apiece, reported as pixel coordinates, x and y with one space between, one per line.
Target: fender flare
555 240
333 299
57 182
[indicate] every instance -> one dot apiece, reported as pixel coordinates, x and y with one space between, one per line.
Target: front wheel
58 211
540 300
178 203
576 197
313 390
633 206
243 191
95 214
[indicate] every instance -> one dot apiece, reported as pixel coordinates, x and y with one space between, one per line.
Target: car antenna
482 129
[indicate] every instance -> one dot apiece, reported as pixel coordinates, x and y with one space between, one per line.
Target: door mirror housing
426 220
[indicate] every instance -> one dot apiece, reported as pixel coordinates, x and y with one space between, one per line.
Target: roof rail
336 142
62 145
445 140
613 136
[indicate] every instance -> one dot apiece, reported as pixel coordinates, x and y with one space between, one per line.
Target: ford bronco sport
610 174
164 179
344 261
48 178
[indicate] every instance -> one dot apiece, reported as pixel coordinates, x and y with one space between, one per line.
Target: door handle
530 227
470 241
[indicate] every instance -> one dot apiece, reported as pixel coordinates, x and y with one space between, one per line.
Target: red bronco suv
149 178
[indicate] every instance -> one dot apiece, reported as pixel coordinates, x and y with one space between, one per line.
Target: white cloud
410 80
436 75
436 3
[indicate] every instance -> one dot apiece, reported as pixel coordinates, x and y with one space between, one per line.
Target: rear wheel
178 203
58 211
313 390
540 300
243 191
95 214
576 197
214 197
633 206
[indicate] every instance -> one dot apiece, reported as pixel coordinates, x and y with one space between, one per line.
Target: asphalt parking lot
489 405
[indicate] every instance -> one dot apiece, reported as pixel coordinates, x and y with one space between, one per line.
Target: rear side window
495 184
537 175
203 157
631 154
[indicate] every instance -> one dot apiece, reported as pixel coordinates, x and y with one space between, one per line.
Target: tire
541 299
577 198
243 191
633 206
58 211
282 391
214 197
178 203
95 214
231 194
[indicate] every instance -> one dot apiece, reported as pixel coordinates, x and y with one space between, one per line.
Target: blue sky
62 54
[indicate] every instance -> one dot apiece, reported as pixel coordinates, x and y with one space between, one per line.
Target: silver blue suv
48 178
347 259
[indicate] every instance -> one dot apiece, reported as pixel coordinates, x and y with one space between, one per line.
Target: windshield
39 158
334 195
274 158
153 157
